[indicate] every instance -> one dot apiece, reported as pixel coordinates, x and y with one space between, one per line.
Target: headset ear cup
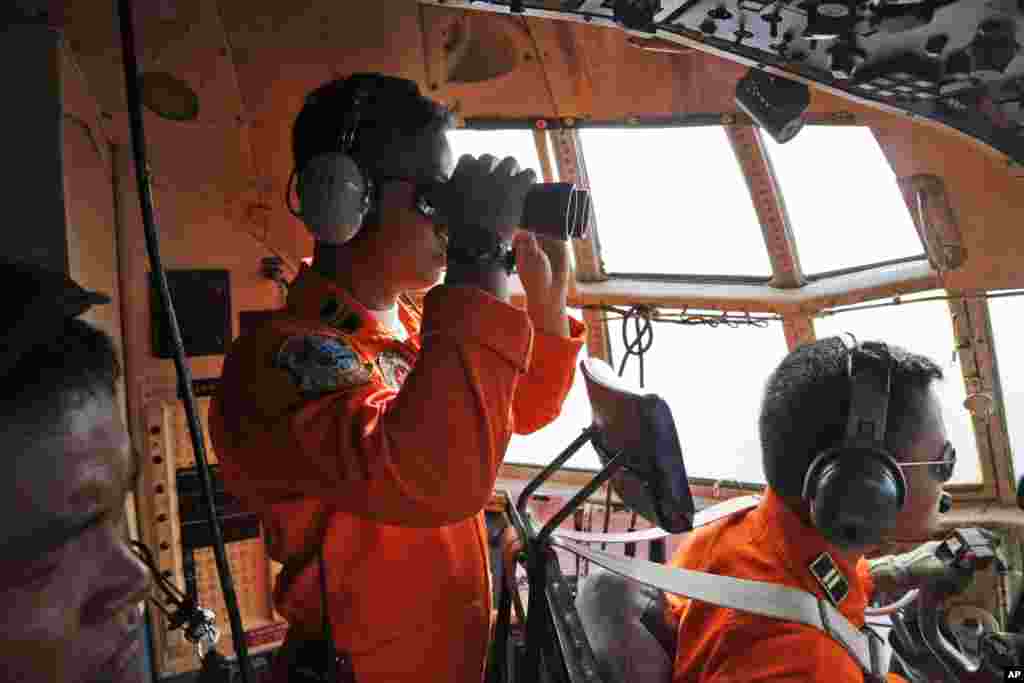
855 497
334 196
813 472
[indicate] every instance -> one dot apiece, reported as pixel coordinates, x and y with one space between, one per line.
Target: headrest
653 482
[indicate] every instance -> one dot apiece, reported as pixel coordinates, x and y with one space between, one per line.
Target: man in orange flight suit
359 428
803 413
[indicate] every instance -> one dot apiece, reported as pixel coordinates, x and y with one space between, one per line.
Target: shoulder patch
321 364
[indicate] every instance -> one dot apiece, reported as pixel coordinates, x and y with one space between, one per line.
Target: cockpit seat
629 628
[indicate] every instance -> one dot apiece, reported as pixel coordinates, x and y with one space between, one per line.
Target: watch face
479 248
834 10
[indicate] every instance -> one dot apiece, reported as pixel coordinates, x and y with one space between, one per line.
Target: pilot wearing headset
70 585
833 495
368 432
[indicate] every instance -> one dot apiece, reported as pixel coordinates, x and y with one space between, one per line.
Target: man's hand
543 265
941 567
483 195
482 203
896 574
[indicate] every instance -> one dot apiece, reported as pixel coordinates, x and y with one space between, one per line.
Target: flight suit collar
803 551
315 297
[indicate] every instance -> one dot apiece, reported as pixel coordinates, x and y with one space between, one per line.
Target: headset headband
347 136
871 380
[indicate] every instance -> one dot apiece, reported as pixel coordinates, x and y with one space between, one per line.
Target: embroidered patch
339 316
322 364
831 579
394 367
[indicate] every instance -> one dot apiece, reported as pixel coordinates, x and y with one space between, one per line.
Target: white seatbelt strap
702 518
754 597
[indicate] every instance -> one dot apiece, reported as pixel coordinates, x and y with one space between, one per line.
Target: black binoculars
557 210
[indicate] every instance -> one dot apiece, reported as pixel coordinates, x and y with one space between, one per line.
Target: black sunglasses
422 194
942 469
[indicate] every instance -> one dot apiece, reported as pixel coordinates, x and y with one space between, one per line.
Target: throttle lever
946 652
1001 651
965 551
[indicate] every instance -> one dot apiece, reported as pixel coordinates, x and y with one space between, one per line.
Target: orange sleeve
424 457
542 390
864 576
760 650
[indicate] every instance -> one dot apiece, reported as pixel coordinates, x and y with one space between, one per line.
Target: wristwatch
480 248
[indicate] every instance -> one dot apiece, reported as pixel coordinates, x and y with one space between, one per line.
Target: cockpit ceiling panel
956 62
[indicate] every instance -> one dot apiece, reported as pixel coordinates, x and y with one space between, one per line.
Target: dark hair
806 405
392 105
55 377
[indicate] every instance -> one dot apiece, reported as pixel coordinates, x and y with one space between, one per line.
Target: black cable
138 138
644 337
643 316
731 320
171 594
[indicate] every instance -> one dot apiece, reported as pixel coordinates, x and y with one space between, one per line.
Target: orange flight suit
389 452
767 543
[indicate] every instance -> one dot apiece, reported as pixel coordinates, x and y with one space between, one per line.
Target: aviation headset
334 191
856 489
335 188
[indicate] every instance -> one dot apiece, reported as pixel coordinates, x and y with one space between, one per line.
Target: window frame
817 277
999 447
836 120
723 121
559 149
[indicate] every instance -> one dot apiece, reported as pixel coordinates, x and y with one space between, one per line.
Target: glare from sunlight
672 201
516 143
925 328
843 201
1005 314
713 380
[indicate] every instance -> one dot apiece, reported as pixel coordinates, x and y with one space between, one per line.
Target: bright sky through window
516 143
842 198
1005 314
541 447
672 201
925 328
712 379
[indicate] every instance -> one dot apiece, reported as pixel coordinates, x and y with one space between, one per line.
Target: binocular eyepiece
557 210
560 211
